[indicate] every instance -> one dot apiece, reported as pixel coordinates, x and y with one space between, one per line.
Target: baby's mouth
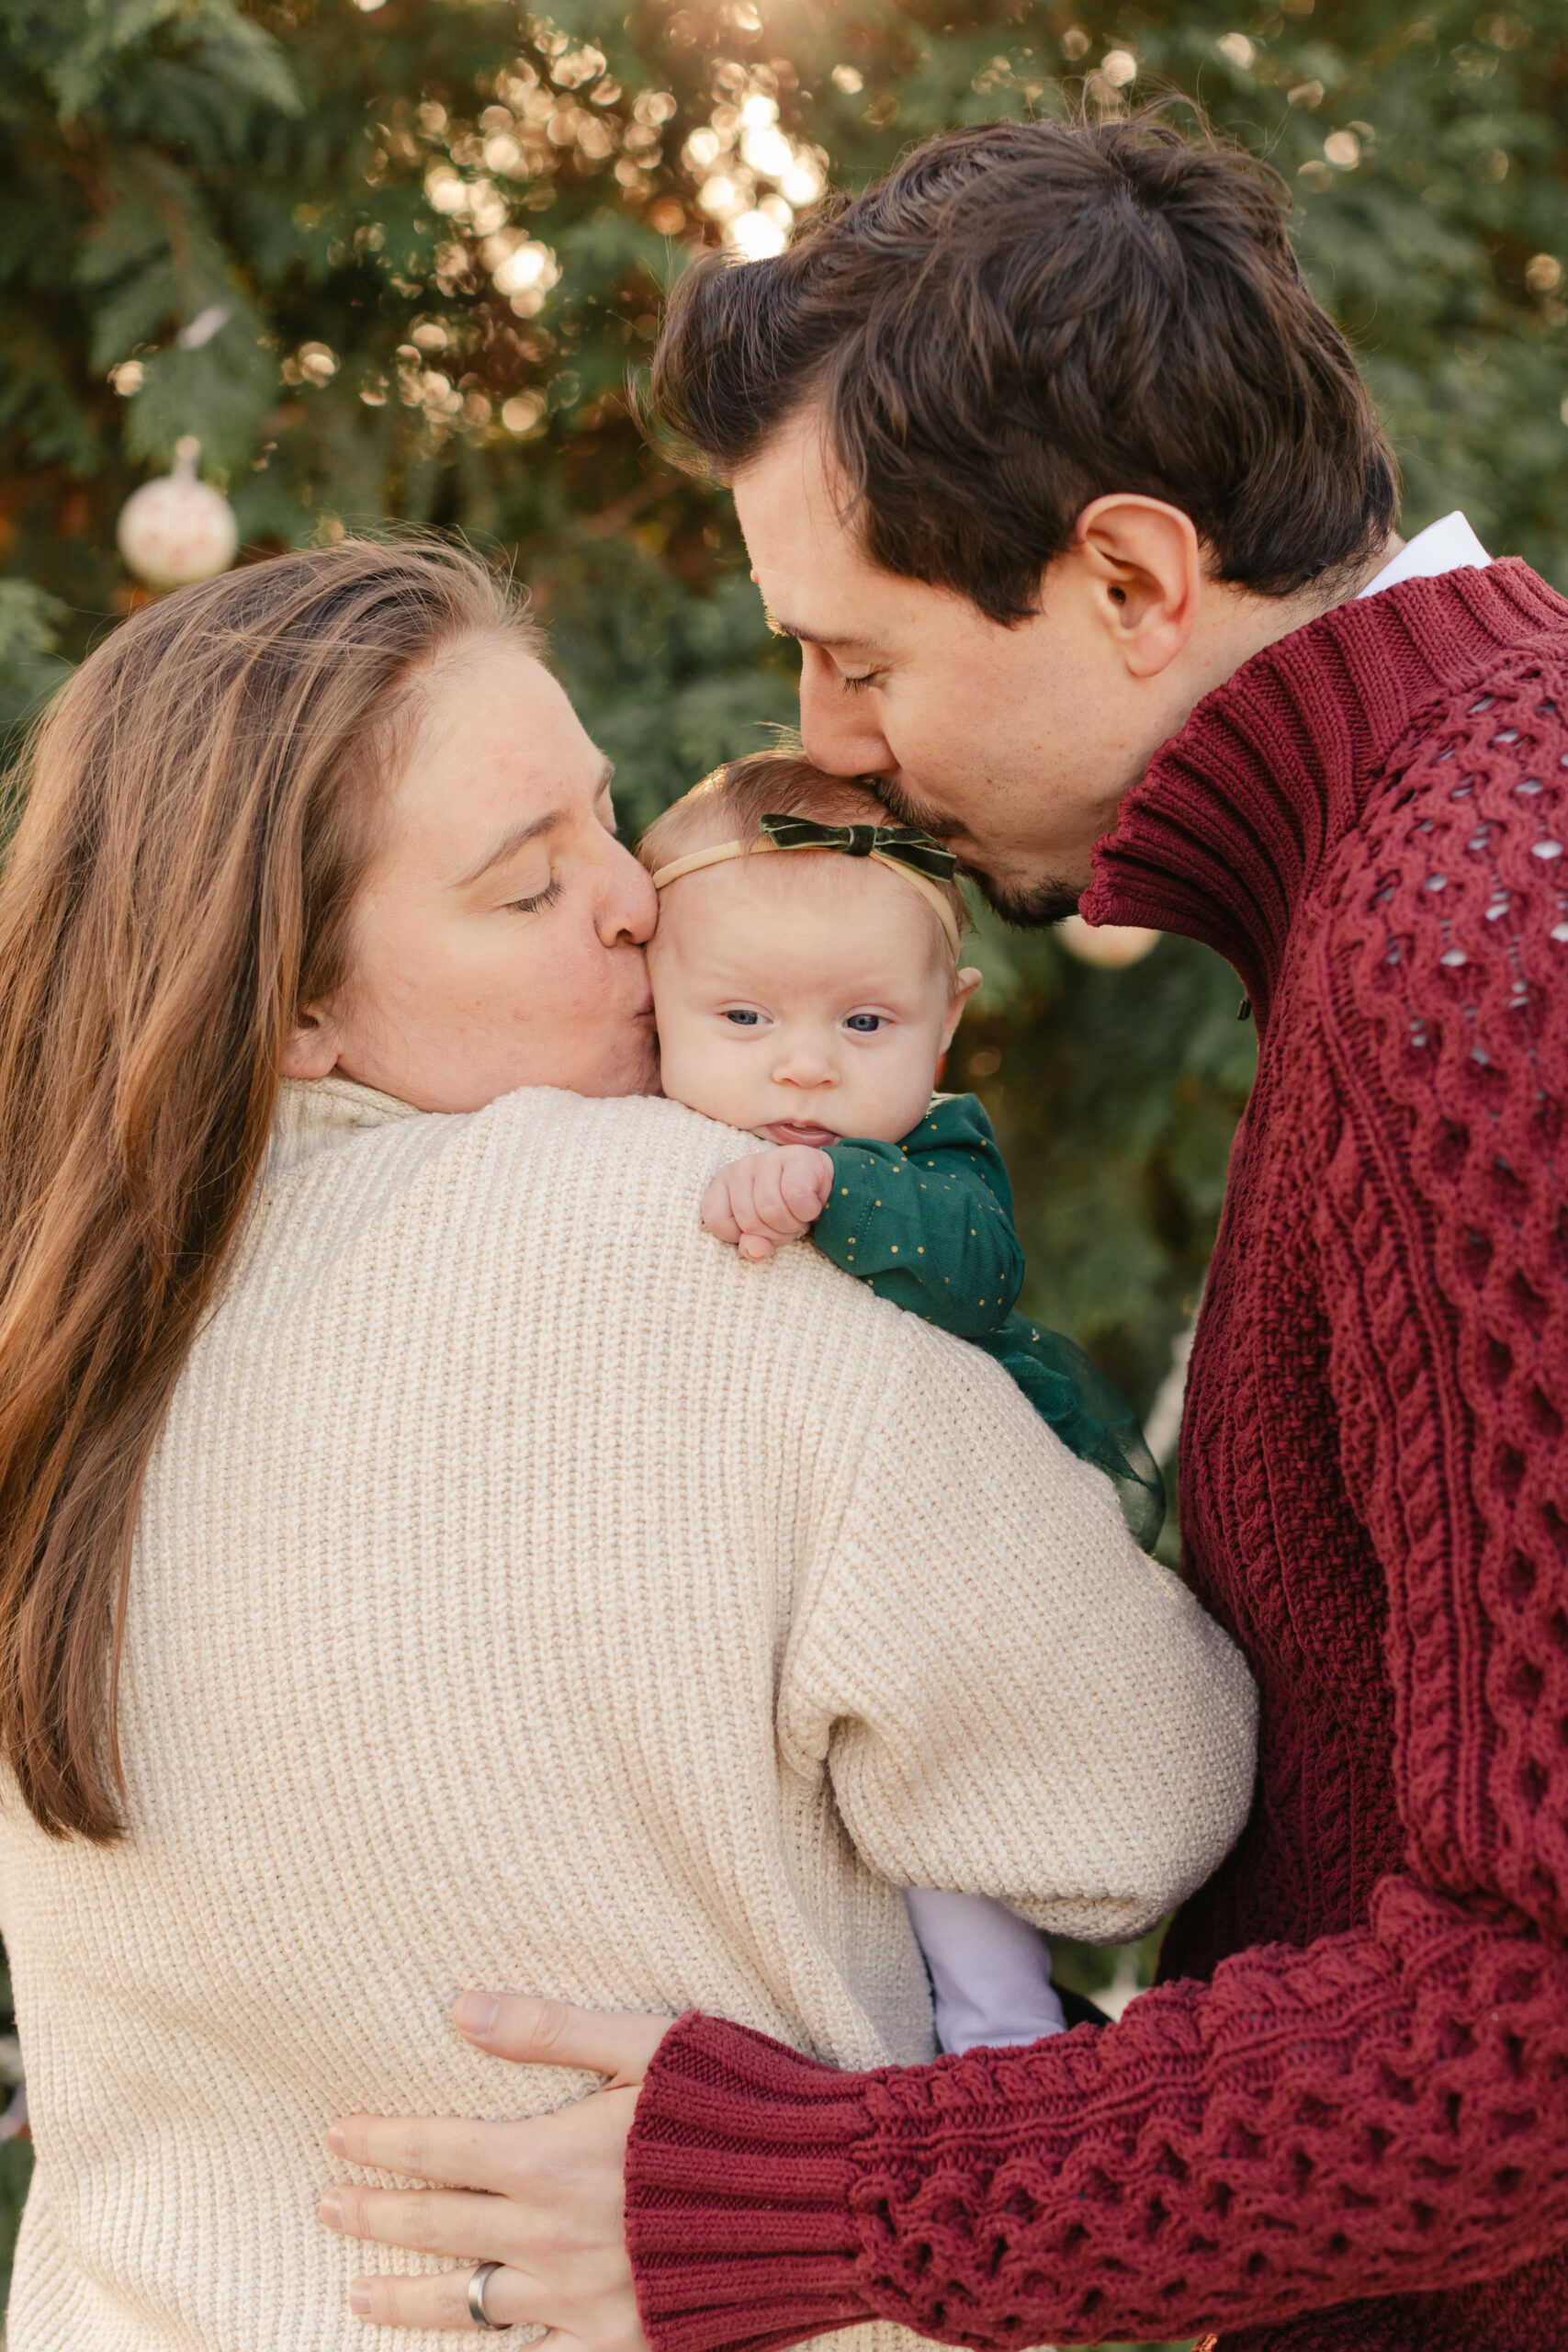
800 1131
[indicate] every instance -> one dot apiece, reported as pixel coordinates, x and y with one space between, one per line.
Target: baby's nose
802 1067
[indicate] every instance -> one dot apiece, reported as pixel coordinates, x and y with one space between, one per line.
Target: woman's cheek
583 967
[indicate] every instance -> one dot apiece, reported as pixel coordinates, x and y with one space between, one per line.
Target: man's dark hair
1023 316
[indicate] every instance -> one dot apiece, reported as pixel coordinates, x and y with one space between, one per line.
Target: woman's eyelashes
542 898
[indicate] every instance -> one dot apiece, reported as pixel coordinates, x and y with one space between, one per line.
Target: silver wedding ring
477 2284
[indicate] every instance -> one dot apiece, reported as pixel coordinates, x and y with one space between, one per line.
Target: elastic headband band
727 849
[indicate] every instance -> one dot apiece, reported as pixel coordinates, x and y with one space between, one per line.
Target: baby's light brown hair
730 805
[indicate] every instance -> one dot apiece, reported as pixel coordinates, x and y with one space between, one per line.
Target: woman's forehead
498 743
493 689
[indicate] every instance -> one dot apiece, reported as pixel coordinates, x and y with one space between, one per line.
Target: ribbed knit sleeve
1092 1776
1303 2132
1384 2112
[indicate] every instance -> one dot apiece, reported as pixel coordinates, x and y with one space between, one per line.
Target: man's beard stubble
1027 906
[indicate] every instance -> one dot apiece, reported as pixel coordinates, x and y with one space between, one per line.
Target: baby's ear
964 983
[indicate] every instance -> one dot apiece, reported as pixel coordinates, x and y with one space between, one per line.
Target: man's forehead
795 474
818 584
794 512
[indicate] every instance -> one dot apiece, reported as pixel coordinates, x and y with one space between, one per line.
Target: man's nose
628 904
840 735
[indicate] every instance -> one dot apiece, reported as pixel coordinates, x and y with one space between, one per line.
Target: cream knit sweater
529 1593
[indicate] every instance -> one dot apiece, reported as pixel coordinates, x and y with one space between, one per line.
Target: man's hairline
1326 589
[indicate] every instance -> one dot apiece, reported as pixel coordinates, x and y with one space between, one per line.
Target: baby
806 985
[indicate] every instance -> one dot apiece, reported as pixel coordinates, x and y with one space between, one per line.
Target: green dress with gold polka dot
928 1223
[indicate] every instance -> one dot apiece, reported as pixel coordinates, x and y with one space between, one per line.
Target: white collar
1447 546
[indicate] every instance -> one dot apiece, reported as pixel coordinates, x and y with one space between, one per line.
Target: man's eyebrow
781 627
518 837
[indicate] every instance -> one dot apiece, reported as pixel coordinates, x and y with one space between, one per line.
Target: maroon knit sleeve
1387 2110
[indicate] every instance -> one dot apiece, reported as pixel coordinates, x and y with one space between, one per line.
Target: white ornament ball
1110 946
177 529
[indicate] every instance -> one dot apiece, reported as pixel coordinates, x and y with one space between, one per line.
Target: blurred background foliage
396 258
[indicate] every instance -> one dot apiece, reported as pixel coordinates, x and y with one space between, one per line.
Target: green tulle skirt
1089 1414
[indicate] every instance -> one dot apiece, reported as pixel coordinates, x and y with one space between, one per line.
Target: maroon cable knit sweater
1342 2122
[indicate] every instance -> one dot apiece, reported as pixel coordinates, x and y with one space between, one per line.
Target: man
1083 520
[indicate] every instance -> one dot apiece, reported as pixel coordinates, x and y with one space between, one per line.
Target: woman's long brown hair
199 807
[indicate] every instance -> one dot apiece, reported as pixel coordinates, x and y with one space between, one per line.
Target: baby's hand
776 1195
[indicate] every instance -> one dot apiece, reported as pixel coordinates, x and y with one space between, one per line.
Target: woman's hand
544 2196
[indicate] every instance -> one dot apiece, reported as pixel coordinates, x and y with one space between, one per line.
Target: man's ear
1145 571
313 1044
964 986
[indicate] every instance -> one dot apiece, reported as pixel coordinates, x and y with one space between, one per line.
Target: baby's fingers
769 1207
730 1213
805 1182
718 1210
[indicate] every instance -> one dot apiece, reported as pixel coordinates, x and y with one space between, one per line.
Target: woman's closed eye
541 898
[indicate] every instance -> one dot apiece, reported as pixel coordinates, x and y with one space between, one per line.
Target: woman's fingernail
359 2301
336 2144
330 2210
477 2013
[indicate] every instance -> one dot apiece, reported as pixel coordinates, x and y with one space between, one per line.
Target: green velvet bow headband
901 843
913 856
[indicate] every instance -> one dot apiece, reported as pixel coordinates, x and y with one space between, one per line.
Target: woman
425 1560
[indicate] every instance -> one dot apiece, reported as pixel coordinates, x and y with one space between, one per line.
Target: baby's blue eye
866 1023
744 1020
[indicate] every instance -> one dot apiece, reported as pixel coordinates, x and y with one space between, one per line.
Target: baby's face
803 1005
